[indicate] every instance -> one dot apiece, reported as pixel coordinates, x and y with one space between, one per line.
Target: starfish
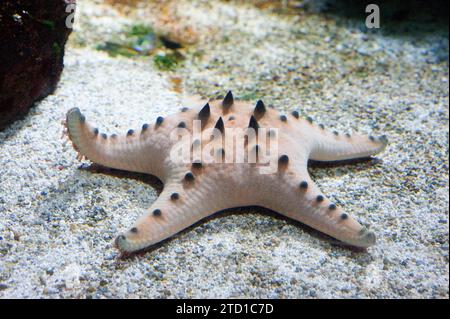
196 189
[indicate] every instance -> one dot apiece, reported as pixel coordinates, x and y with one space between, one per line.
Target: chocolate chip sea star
194 190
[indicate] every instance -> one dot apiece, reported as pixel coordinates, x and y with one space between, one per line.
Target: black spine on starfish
260 108
159 120
283 118
228 101
304 185
204 113
219 125
157 212
253 123
145 127
295 114
284 159
197 164
104 136
95 131
189 177
130 132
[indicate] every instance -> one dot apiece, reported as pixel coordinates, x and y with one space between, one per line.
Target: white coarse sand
59 216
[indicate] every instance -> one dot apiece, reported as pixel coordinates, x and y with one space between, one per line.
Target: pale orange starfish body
195 190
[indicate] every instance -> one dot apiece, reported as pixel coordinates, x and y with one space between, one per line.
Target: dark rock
32 39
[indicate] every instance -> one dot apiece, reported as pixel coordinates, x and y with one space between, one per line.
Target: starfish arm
180 205
136 151
191 193
300 199
332 146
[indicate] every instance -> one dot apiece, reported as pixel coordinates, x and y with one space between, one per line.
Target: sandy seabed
58 218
